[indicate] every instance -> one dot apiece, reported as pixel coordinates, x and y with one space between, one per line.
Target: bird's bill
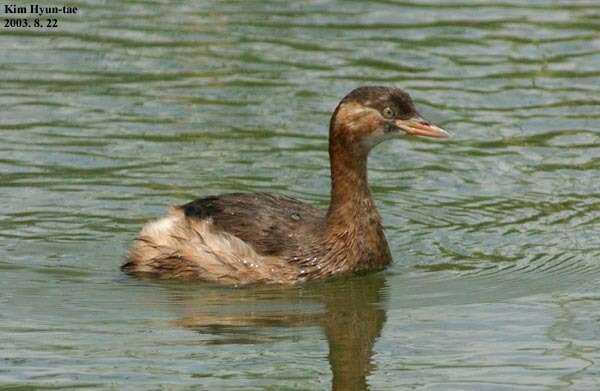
418 126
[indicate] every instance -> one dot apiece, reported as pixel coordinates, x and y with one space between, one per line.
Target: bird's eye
388 113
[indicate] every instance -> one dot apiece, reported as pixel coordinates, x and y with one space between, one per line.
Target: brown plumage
267 238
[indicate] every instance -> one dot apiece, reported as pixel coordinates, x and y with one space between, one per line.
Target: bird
243 239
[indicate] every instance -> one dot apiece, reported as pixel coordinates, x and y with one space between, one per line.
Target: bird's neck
353 227
353 235
350 196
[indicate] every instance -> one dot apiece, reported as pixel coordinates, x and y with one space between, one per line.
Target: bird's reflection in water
350 311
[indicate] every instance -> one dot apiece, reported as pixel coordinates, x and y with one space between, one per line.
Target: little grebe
267 238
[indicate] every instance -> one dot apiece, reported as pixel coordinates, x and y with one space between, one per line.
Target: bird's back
232 238
272 224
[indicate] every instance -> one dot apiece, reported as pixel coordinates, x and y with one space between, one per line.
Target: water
131 106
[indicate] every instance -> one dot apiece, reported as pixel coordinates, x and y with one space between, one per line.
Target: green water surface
130 106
